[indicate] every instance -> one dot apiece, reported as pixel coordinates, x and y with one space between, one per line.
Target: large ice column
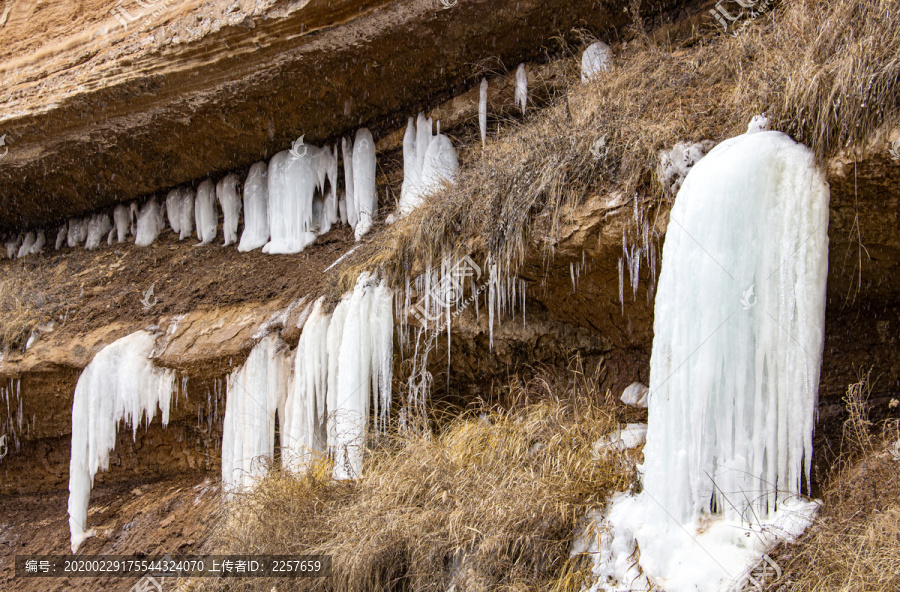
304 426
206 216
120 383
254 392
597 58
186 221
521 88
359 346
441 164
365 194
227 194
256 208
352 212
734 373
149 223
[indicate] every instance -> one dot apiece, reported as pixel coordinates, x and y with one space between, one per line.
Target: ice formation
254 392
359 346
596 58
674 164
206 216
27 243
734 373
635 395
61 236
759 123
429 162
122 218
227 194
120 383
521 88
77 232
256 209
482 110
98 228
365 196
150 222
631 436
298 208
173 209
304 418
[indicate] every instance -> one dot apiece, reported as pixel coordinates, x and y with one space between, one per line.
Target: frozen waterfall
734 373
120 383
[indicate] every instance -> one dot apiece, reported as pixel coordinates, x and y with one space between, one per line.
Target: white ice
39 242
360 353
78 230
122 218
150 222
27 243
120 383
98 228
482 110
173 209
293 178
596 58
365 195
349 199
429 162
227 194
304 424
61 236
631 436
256 209
734 373
206 216
635 395
674 164
521 88
254 392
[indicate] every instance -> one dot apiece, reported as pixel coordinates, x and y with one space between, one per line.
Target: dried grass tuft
490 502
825 73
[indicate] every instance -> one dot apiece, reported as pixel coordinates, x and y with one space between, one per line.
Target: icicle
521 87
120 383
98 228
254 392
304 419
122 221
230 201
364 191
256 209
596 58
61 236
206 217
149 224
350 207
173 210
186 223
482 110
27 243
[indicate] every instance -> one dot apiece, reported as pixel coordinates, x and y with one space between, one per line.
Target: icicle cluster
734 374
597 58
120 383
429 162
639 247
254 392
440 296
286 205
322 391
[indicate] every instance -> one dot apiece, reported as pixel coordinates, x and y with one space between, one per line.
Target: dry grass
490 502
854 543
825 72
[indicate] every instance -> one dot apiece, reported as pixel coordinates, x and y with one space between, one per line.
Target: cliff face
97 112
